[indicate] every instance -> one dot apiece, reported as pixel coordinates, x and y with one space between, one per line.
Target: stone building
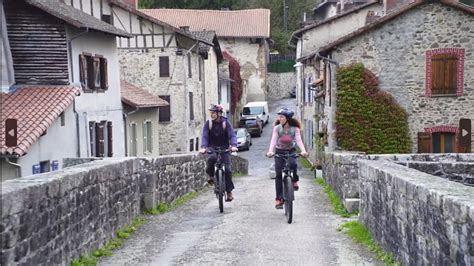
62 86
243 33
422 55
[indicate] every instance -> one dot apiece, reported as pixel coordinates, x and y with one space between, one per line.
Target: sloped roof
76 17
35 109
209 37
250 23
138 97
329 20
392 15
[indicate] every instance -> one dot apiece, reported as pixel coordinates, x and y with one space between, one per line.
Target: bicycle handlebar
285 155
217 150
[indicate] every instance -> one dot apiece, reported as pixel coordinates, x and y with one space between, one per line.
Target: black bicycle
219 176
288 190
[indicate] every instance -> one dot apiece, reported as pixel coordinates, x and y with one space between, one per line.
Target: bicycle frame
219 175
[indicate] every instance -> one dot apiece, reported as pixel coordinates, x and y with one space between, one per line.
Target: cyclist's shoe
296 186
229 197
279 204
210 181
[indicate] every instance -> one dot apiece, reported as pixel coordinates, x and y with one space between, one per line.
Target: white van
259 109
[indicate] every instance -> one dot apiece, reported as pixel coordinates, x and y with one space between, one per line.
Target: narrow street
250 231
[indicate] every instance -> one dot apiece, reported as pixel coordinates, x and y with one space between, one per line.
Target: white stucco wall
139 118
253 59
58 143
98 106
211 80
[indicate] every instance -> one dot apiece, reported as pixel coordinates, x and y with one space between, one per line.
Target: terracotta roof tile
138 97
35 108
226 23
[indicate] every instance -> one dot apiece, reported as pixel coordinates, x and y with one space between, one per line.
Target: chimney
184 28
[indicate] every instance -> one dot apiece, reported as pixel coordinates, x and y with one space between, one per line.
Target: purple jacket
217 137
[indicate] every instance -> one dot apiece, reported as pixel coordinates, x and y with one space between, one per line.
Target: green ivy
368 119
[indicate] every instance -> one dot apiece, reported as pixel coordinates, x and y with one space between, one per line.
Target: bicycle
288 190
219 176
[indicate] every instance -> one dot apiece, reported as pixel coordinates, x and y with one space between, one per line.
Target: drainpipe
332 144
71 66
186 96
7 159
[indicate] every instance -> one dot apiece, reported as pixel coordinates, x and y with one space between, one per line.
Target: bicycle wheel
221 185
289 199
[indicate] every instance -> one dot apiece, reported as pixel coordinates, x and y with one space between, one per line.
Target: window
45 167
191 106
63 119
443 142
197 144
133 139
165 111
190 73
106 18
93 72
444 71
191 145
200 69
147 137
101 141
164 66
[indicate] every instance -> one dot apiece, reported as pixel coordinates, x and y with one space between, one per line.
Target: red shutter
99 137
424 142
109 139
104 77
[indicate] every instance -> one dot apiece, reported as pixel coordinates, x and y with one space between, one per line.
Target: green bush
367 119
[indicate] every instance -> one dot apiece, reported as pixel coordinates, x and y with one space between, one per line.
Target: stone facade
253 60
53 218
140 67
280 85
421 218
397 53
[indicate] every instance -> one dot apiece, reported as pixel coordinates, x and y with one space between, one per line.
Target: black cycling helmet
216 108
286 112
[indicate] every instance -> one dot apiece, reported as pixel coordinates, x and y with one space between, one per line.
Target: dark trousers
279 165
211 160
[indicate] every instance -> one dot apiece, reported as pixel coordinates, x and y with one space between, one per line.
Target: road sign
11 133
465 132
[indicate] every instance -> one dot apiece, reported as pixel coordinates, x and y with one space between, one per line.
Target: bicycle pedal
279 207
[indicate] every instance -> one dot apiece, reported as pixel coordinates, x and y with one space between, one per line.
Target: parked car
256 109
244 140
253 125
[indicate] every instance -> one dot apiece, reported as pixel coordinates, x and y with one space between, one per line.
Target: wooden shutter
104 77
83 70
92 138
424 142
164 66
110 141
444 70
90 72
99 136
191 106
165 111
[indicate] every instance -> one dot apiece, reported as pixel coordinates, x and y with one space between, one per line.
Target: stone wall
340 170
421 218
401 66
461 172
280 85
55 217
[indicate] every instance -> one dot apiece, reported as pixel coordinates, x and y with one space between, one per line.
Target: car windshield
240 133
256 110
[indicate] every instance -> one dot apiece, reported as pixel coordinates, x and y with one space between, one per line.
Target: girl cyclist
286 135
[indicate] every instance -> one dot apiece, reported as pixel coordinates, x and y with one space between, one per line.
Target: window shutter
92 138
165 111
190 73
109 139
104 77
191 106
424 142
164 66
99 136
145 137
83 70
90 72
444 70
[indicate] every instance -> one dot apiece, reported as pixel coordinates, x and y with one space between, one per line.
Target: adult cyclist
286 135
218 133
